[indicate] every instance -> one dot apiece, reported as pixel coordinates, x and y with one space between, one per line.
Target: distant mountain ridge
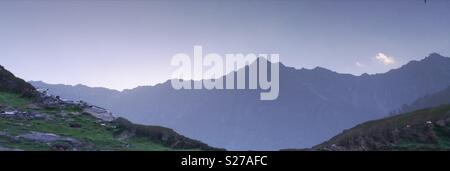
432 100
313 105
79 92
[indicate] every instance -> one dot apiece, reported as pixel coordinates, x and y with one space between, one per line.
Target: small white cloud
383 58
360 65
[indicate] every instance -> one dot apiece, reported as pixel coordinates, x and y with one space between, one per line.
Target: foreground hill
422 125
313 105
32 120
426 129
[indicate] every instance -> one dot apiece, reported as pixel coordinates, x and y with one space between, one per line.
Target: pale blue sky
123 44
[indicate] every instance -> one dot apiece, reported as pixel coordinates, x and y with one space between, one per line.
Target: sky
122 44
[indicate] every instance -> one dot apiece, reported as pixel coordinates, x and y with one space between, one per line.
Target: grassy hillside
39 128
10 83
426 129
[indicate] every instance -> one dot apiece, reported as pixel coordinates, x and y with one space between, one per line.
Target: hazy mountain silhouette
313 105
432 100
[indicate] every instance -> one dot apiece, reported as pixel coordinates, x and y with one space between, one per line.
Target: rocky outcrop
99 113
54 102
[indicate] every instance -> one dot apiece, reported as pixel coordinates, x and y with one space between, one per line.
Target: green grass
13 100
412 145
90 131
443 137
12 127
96 136
59 110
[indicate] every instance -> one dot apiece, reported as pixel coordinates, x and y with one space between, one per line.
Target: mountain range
313 104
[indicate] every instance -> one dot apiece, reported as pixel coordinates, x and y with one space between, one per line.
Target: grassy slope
89 131
409 131
13 100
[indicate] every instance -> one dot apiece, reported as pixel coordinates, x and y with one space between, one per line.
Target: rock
441 123
8 111
47 138
14 112
40 137
8 149
99 113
